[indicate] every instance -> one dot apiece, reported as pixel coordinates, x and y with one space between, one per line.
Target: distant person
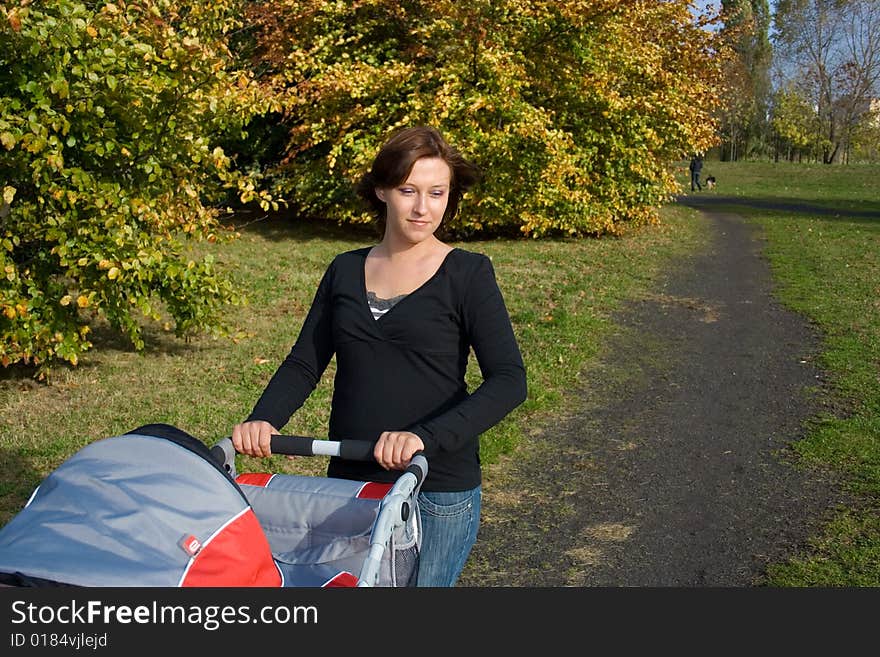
695 167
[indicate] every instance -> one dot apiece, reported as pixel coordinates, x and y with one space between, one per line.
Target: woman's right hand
253 438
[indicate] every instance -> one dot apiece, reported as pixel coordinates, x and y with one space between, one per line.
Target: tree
109 115
574 109
866 136
795 125
833 49
744 123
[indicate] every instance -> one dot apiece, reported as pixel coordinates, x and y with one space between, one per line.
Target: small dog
710 182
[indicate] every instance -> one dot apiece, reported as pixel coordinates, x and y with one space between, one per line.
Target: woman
401 317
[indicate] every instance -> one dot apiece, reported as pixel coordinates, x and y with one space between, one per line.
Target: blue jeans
449 530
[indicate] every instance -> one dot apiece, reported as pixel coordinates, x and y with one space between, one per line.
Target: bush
109 118
574 109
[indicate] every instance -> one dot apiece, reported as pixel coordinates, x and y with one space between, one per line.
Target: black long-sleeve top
406 370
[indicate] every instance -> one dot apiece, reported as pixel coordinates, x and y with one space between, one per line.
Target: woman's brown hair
394 162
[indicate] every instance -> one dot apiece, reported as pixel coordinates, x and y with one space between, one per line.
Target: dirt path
672 471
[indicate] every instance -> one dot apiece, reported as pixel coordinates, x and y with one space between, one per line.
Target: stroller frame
156 507
397 506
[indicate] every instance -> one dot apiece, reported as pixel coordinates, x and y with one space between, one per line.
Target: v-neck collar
366 304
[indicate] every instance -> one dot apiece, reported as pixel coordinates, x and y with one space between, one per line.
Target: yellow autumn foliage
575 110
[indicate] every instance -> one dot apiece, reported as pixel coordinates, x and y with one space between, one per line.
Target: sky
717 3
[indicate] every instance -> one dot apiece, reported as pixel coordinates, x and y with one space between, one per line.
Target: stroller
156 507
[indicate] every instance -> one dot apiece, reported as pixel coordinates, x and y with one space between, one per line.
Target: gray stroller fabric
154 509
115 513
319 527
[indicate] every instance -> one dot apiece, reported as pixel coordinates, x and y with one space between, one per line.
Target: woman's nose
421 206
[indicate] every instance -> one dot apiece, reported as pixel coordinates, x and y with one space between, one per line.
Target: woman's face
414 209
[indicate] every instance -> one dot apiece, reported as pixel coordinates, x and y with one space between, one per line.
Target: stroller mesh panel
315 525
406 566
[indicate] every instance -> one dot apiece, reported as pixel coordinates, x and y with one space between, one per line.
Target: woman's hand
253 438
395 449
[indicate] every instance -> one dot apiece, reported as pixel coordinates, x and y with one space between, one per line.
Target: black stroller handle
292 445
352 450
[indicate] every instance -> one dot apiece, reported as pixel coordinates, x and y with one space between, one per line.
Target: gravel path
673 468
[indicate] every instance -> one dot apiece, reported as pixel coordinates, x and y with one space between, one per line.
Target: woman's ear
380 194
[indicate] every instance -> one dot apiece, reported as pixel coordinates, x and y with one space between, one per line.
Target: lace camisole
381 306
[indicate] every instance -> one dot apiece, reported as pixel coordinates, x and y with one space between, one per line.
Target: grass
852 187
561 295
828 269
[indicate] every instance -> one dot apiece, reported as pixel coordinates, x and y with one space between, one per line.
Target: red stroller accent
156 507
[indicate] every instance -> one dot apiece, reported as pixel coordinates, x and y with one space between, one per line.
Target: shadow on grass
842 209
105 340
285 225
18 479
17 372
156 340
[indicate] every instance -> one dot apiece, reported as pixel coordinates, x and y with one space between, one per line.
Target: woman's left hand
395 449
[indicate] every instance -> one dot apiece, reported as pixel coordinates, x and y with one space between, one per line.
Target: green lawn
560 293
853 187
828 269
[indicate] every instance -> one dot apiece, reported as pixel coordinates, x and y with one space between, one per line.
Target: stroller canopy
147 508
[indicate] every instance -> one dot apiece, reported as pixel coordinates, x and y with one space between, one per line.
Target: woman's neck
403 251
